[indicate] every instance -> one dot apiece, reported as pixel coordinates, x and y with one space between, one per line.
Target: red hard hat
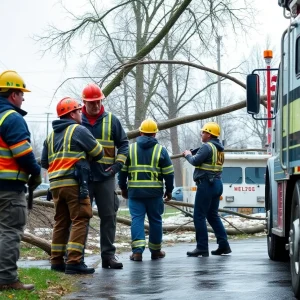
92 92
66 105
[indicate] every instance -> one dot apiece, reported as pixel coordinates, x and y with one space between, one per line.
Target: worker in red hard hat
65 155
107 129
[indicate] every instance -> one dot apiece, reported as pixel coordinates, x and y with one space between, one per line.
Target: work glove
167 196
34 181
124 194
114 169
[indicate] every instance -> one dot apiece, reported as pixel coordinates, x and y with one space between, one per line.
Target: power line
3 64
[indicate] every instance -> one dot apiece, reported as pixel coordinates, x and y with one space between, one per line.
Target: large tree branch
196 117
147 49
187 63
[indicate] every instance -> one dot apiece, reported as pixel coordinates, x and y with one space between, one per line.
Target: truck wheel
294 240
276 244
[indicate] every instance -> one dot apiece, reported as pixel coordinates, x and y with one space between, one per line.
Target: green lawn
48 285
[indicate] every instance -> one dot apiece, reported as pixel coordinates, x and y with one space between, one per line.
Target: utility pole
219 118
47 130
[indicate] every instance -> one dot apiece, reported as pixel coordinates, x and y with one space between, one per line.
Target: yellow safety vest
61 163
153 169
10 169
217 161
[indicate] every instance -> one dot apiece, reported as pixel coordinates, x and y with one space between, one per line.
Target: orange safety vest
10 170
61 163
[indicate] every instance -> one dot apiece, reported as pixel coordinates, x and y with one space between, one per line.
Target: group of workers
86 149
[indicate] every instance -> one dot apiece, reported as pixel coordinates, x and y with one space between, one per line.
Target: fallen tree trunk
170 228
37 241
46 246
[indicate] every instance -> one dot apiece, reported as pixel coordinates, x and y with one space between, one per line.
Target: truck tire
276 244
294 240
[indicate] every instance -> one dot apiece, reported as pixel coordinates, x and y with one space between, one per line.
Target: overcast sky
22 19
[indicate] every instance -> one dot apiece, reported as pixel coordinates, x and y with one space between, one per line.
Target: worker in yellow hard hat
208 162
141 180
18 168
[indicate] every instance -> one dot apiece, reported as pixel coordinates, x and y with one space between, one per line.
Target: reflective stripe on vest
107 143
216 163
61 163
10 169
134 169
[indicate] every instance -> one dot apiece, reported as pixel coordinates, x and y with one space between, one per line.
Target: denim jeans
206 207
138 208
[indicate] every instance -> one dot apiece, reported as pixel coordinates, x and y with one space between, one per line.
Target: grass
33 251
48 285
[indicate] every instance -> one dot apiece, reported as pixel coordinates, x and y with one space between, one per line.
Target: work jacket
17 160
109 132
208 160
64 147
147 165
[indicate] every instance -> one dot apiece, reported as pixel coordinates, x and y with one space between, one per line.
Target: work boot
196 252
81 268
111 263
18 285
221 251
158 254
58 267
136 256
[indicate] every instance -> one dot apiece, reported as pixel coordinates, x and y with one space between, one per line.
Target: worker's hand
167 196
34 181
124 194
186 152
114 169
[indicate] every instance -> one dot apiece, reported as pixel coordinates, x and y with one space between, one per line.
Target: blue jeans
138 208
206 207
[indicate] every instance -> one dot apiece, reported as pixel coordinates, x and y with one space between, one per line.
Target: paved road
246 274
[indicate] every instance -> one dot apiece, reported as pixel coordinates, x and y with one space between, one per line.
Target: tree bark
37 241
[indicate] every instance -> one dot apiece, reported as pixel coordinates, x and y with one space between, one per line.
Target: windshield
232 175
255 175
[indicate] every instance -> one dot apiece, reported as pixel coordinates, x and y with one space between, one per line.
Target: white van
243 182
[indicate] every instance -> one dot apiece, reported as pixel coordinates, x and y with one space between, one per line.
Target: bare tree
156 33
37 137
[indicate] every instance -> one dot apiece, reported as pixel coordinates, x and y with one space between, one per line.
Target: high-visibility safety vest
61 163
150 171
10 170
108 143
217 160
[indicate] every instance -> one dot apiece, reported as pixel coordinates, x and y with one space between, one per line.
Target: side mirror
253 94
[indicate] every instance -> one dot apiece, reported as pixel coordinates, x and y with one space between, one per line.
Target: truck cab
282 188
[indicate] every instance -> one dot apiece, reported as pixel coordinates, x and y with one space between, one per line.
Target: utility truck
243 179
282 188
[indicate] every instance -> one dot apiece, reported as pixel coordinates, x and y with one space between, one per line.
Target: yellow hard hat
11 80
212 128
148 126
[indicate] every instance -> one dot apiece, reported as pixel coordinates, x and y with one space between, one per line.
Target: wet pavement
245 274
